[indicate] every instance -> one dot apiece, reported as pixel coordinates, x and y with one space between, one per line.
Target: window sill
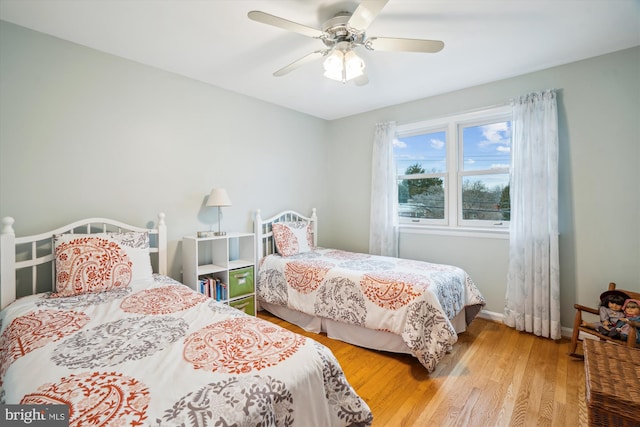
487 233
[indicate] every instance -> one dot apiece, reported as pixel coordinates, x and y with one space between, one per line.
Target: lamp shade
218 197
333 65
353 65
342 64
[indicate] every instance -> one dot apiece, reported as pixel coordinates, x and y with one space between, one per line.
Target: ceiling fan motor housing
338 31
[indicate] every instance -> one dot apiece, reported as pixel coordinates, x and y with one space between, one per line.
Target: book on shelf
213 287
221 290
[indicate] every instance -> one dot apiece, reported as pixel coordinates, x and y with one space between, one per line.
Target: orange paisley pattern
96 399
292 237
32 331
164 300
240 346
90 264
286 240
306 276
392 290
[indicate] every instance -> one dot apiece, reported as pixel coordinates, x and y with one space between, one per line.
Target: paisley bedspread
160 354
413 299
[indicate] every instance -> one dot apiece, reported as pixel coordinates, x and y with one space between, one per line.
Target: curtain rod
475 110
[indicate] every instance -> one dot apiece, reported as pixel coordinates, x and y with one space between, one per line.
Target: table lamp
219 197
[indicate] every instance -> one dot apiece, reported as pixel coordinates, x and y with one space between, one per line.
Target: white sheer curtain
533 284
383 229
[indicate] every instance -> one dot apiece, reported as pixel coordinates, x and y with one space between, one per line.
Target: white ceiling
213 41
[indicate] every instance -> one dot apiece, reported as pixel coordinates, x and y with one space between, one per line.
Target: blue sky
485 147
429 150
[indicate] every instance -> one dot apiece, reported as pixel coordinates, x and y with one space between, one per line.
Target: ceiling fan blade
404 45
300 62
365 13
276 21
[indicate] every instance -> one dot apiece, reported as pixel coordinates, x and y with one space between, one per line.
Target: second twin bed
377 302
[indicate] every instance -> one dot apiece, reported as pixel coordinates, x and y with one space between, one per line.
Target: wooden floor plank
494 376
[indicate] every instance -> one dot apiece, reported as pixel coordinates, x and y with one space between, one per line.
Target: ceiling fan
341 35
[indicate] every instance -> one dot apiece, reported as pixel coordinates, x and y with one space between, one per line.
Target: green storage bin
240 282
245 304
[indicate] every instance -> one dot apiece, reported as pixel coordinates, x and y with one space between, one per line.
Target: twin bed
377 302
120 344
91 320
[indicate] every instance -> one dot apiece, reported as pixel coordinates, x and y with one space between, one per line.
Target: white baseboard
499 317
490 315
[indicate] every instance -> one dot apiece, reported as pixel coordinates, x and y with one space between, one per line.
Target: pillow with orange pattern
293 237
91 263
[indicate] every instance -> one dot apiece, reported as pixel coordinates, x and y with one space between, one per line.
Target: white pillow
293 238
89 263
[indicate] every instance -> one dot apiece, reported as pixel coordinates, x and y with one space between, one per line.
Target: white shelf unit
230 258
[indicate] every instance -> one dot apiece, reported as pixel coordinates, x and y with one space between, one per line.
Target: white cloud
437 143
470 161
503 149
497 133
499 166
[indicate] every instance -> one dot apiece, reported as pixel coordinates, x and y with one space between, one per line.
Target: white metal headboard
265 244
30 258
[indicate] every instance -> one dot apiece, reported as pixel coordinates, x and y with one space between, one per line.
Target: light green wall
599 212
85 134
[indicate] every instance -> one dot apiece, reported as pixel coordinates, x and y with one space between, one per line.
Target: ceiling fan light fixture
353 65
343 66
333 65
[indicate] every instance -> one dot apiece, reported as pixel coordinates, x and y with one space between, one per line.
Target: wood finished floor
495 376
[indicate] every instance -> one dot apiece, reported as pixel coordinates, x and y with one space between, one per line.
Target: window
454 171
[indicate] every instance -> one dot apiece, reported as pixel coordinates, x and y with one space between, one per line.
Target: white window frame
410 131
453 125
